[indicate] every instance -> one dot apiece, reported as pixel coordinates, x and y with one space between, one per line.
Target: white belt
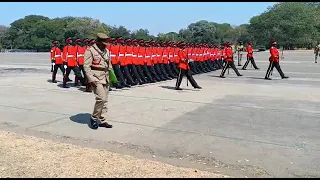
201 55
192 54
164 55
147 56
121 54
134 55
57 56
112 55
70 56
158 55
170 56
175 55
79 55
153 55
211 54
189 54
128 54
140 56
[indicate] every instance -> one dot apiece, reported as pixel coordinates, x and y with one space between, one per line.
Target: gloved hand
65 65
277 57
53 62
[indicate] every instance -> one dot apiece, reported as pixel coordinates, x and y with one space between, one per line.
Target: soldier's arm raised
87 65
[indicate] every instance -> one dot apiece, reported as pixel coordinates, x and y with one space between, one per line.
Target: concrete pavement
239 126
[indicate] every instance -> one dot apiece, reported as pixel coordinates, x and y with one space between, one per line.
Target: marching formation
139 62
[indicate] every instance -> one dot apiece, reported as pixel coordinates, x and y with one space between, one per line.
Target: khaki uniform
97 70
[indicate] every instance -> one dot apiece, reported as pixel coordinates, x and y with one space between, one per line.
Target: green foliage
292 24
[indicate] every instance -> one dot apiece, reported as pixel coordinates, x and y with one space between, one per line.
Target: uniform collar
98 49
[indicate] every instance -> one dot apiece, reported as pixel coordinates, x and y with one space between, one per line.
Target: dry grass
25 156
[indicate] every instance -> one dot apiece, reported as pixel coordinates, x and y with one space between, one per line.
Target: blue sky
154 16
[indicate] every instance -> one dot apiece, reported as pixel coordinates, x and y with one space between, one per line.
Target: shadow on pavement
82 118
168 87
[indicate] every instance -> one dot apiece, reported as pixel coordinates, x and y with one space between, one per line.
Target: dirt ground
26 156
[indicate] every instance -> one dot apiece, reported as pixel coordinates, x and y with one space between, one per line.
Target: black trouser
55 70
209 65
198 66
118 73
128 76
169 70
140 72
193 68
81 69
163 71
134 72
158 71
227 65
77 73
270 69
250 59
188 74
147 72
174 68
154 73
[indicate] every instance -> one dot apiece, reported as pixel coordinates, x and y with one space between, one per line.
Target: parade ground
238 126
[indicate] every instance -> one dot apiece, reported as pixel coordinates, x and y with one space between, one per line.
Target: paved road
240 126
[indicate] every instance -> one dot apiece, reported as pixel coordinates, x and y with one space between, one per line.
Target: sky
157 17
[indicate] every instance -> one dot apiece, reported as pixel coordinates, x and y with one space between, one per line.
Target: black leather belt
98 68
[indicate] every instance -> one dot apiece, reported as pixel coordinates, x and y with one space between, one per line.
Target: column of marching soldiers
139 62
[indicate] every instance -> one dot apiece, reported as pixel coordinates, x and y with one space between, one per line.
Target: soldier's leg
119 75
128 75
193 69
192 81
246 64
224 69
136 74
65 77
316 58
179 79
147 73
154 73
140 72
234 68
158 71
174 68
277 66
79 76
253 63
168 69
100 108
164 72
270 68
54 73
210 66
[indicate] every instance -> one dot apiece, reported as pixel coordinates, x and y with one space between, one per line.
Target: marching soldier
316 52
135 61
69 57
80 49
249 57
114 50
184 68
274 62
143 54
56 60
97 65
239 51
229 61
148 61
123 54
